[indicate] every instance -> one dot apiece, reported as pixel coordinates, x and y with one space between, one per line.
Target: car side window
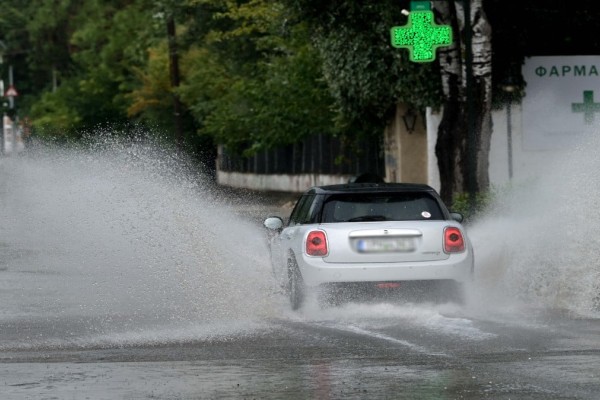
302 211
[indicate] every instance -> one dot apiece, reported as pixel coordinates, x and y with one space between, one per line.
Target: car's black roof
370 187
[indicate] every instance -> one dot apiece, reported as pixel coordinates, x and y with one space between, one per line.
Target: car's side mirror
458 217
273 223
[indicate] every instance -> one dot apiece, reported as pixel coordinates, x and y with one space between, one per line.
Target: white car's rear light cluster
316 244
453 240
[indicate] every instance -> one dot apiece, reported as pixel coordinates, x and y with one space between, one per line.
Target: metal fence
320 154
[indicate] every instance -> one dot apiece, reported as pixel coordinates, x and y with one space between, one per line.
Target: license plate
384 245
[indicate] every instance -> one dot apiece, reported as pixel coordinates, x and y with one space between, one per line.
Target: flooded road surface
356 351
126 275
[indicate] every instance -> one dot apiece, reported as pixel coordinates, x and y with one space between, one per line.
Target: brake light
453 240
388 285
316 244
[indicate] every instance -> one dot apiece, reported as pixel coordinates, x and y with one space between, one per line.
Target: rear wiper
368 218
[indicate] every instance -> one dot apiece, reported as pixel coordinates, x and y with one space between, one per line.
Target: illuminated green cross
588 107
422 36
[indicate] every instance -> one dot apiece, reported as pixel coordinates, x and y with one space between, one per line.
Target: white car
369 237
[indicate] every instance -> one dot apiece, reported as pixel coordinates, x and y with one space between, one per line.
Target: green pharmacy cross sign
588 107
421 35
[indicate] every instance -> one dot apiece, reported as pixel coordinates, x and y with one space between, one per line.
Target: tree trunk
464 134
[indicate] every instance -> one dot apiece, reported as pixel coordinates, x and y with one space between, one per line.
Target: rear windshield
381 207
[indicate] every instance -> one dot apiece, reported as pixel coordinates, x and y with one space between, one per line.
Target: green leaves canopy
255 73
279 100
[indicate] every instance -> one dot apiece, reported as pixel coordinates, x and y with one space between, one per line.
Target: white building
558 110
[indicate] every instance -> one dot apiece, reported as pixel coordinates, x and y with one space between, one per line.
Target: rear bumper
458 267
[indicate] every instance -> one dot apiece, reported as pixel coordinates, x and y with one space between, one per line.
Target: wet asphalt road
59 339
325 357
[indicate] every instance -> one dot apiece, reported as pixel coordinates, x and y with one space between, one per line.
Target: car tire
296 288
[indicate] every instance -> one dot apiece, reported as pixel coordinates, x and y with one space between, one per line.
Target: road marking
381 336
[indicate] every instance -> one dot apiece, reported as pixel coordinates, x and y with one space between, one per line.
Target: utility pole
11 84
2 49
175 78
1 117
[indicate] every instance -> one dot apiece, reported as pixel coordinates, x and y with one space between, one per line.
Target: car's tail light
316 244
453 240
388 285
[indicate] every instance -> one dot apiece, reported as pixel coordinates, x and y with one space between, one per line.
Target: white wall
278 182
527 164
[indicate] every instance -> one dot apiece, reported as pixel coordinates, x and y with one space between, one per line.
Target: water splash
120 235
539 245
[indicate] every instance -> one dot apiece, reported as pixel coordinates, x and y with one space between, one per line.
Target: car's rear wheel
296 286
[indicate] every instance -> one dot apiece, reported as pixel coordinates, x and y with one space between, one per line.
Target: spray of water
537 252
130 244
122 236
538 247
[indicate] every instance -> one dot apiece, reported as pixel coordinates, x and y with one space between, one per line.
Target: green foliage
150 101
268 93
255 73
88 47
252 76
249 77
48 25
471 209
53 115
367 76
